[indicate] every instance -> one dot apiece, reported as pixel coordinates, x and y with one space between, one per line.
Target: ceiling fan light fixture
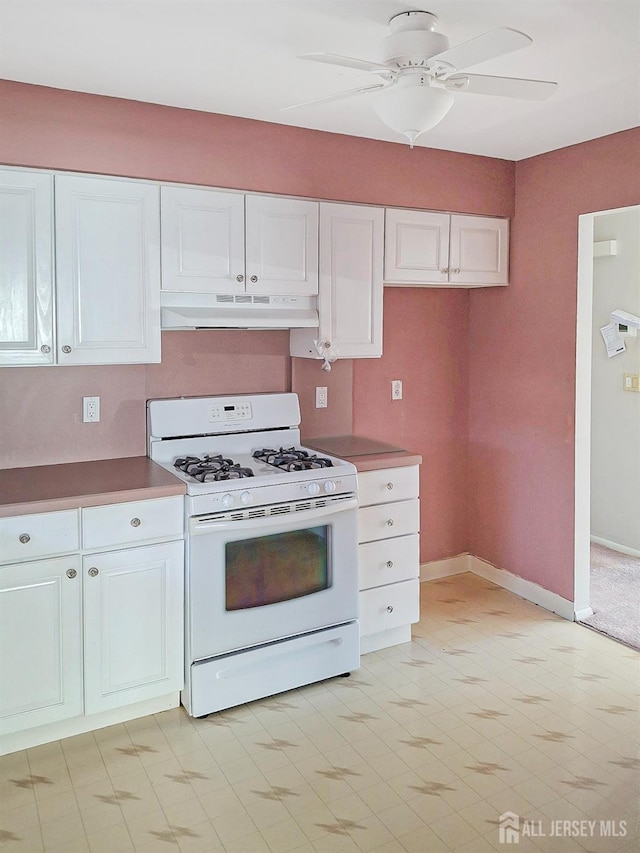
413 108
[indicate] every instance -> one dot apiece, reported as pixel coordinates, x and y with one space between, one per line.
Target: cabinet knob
24 538
445 270
66 348
92 572
240 277
390 486
389 564
327 344
390 608
45 348
456 270
135 522
389 522
253 278
71 573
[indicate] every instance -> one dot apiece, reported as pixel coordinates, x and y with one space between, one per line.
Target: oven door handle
301 518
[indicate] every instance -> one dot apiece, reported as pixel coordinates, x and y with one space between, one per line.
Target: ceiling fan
419 73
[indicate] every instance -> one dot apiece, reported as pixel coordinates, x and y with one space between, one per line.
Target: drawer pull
240 277
253 279
135 522
24 538
92 572
71 573
390 608
390 486
389 564
389 522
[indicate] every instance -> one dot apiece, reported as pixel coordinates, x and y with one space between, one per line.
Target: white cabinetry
446 250
26 268
224 242
107 270
389 556
106 286
88 625
350 289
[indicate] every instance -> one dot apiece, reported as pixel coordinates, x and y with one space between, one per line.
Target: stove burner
291 459
208 469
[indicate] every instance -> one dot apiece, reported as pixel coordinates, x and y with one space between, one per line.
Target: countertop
366 454
47 488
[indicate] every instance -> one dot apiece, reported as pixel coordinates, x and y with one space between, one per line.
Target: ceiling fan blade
347 62
338 96
483 47
504 87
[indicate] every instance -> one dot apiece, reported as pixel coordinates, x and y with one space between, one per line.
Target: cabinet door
133 625
108 271
350 295
281 246
26 268
416 247
40 643
202 240
479 250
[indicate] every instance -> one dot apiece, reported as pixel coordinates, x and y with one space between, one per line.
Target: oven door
253 580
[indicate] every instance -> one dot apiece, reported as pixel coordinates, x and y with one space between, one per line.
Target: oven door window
279 567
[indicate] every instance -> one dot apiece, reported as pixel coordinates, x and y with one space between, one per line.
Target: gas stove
241 451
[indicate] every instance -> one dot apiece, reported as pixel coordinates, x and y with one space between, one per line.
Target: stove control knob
313 488
227 501
245 498
329 487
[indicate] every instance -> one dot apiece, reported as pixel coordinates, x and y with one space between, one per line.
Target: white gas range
271 569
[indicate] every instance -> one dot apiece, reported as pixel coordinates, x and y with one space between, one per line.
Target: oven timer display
220 412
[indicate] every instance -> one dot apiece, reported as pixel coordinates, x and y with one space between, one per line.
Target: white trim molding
528 590
614 546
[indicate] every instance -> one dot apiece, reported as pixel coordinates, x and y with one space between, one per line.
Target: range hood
180 310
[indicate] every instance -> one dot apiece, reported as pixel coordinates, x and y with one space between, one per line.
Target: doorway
607 452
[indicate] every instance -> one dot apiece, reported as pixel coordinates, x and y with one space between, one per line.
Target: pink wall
522 364
425 331
426 344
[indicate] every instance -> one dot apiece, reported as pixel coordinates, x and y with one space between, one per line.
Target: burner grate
291 459
209 469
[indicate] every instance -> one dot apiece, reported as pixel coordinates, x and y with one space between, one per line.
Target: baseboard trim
528 590
583 614
444 568
614 546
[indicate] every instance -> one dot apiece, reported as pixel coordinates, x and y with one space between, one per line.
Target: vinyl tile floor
499 723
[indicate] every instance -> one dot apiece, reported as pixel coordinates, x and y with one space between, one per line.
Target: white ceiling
239 57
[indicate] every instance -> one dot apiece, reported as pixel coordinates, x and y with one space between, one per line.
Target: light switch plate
396 389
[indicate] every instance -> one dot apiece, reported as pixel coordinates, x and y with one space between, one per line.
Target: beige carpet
615 595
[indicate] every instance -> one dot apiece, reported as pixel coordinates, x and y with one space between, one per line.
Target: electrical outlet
90 410
396 389
321 397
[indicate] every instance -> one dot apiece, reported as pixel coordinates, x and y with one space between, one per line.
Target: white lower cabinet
40 643
86 630
133 614
388 556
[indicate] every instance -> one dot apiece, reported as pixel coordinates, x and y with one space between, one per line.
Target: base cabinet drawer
30 537
389 606
388 484
388 561
131 523
388 520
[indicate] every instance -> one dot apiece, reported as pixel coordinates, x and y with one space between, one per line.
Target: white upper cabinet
446 250
212 244
202 240
350 289
107 270
478 250
26 268
281 245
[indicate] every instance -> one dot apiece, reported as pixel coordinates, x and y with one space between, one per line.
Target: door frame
584 334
